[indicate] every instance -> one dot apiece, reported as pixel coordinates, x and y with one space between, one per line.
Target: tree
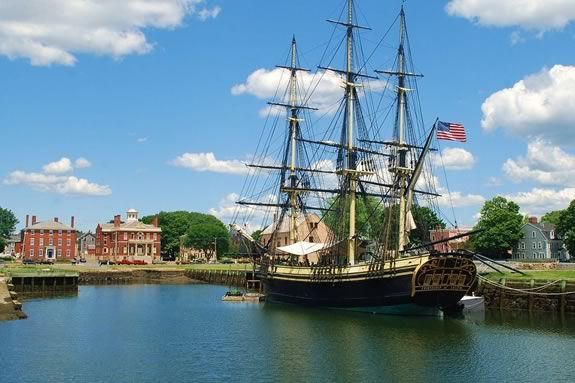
369 217
425 220
501 224
552 217
256 235
176 225
203 235
372 218
2 244
565 227
8 222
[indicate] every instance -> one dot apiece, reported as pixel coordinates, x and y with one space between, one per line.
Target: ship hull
422 287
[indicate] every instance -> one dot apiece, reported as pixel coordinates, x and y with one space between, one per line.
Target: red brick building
48 240
451 245
131 240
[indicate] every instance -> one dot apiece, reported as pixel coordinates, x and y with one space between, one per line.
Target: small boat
233 295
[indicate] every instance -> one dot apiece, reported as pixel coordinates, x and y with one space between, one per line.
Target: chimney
533 220
155 221
117 220
33 220
72 222
55 219
27 219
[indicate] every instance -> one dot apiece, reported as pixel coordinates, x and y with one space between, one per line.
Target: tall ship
348 194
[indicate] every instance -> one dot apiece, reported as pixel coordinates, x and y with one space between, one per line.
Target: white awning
303 248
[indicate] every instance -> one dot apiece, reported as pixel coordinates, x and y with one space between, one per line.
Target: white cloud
326 86
58 184
63 165
454 159
542 104
82 163
207 162
528 14
544 163
458 199
493 182
50 32
141 140
54 179
252 217
539 201
206 13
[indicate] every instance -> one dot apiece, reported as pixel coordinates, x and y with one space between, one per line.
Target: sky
156 104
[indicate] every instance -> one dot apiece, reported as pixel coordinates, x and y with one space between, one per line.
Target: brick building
48 240
131 240
451 245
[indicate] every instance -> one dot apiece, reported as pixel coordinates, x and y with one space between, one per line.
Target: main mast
402 168
352 175
293 128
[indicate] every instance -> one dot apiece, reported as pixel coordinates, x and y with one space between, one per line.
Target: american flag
450 131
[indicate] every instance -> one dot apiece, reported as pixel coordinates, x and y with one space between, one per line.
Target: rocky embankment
10 307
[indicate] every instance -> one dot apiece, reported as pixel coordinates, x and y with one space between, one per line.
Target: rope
526 291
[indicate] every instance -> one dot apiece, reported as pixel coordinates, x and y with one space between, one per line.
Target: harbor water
185 333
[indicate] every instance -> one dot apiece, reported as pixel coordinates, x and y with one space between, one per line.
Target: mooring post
501 293
530 296
562 297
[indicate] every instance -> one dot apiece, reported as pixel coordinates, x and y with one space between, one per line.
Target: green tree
176 225
565 227
256 235
2 244
203 235
501 224
552 217
369 217
8 222
425 220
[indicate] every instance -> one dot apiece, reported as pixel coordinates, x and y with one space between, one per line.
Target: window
522 245
105 240
154 250
50 241
541 255
68 253
59 241
311 238
40 253
59 252
124 248
285 240
32 241
60 232
32 231
155 236
125 236
140 236
68 242
41 241
41 231
540 245
534 245
534 255
533 235
31 253
51 232
105 250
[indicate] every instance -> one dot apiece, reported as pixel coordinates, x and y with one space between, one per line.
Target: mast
293 126
402 169
352 176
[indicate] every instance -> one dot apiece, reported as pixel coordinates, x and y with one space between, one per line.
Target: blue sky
99 100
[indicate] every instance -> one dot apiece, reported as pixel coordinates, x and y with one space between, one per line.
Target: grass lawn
18 268
543 275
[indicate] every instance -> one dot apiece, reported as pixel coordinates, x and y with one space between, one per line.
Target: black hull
438 283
